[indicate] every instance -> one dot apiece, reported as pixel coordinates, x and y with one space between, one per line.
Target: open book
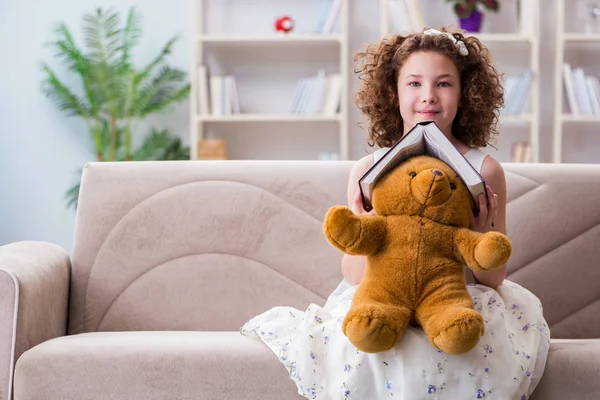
424 139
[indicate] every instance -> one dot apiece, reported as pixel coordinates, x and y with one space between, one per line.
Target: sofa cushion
572 371
152 366
156 241
220 365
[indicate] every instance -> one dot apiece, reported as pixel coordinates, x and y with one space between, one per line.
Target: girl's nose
429 97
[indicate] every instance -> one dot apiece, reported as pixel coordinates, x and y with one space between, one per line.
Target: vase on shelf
472 23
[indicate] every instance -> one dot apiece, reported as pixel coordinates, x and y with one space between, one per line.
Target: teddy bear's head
424 186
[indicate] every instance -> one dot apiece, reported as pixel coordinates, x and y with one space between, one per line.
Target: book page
407 147
439 146
434 150
453 158
415 149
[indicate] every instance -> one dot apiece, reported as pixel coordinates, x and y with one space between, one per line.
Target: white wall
40 149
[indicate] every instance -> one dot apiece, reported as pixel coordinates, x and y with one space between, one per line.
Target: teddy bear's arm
354 234
481 251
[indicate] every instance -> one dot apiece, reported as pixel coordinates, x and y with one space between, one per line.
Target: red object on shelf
284 24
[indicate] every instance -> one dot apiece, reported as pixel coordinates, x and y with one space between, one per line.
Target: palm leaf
176 151
163 90
130 37
158 60
164 99
128 93
76 61
159 145
66 100
102 36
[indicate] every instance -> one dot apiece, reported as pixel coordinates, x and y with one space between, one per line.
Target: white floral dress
507 363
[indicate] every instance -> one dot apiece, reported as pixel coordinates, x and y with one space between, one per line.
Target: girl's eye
444 84
452 186
413 174
414 84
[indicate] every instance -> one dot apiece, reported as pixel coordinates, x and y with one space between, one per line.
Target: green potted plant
114 95
469 14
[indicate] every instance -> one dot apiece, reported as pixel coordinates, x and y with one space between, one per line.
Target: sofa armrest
34 296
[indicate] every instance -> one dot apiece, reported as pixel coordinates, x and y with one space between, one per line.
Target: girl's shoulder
476 158
492 171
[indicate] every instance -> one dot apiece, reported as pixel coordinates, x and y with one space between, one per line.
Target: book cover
425 138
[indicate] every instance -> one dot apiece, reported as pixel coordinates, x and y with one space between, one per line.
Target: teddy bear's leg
374 327
450 322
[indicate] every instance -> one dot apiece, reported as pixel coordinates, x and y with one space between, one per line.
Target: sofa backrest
201 245
207 245
553 220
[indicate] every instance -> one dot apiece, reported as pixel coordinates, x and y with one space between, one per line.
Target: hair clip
462 48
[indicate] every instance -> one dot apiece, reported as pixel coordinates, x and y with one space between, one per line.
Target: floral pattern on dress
506 364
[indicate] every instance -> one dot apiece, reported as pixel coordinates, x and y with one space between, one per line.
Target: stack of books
320 94
582 91
516 92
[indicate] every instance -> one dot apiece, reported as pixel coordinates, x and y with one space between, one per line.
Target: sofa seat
572 371
151 366
219 365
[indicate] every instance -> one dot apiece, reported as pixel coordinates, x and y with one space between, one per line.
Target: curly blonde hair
482 95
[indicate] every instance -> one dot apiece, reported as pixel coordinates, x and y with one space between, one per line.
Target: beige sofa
171 258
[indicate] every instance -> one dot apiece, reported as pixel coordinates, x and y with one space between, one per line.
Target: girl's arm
493 174
353 267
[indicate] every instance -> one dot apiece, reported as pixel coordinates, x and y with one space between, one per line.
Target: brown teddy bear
416 245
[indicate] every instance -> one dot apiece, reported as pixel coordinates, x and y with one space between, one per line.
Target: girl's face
428 90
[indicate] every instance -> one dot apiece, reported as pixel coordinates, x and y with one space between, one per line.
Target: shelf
515 119
269 118
581 37
581 118
270 40
503 37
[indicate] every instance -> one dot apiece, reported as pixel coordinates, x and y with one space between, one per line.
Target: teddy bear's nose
437 172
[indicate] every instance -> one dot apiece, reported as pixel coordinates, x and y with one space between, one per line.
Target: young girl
448 78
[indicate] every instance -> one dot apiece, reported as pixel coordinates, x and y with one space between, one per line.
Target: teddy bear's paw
493 250
369 333
342 227
464 329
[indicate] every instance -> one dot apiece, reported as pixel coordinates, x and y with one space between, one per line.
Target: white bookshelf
238 39
575 135
268 40
526 37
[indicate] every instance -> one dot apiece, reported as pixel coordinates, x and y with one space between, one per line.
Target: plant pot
473 22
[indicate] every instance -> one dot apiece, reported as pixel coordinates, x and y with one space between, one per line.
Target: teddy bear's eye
413 174
452 186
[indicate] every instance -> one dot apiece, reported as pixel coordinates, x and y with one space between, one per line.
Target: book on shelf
521 152
217 95
425 138
328 16
516 93
203 99
320 94
582 91
223 95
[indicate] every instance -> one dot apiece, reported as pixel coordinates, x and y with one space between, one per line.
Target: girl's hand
357 205
484 222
